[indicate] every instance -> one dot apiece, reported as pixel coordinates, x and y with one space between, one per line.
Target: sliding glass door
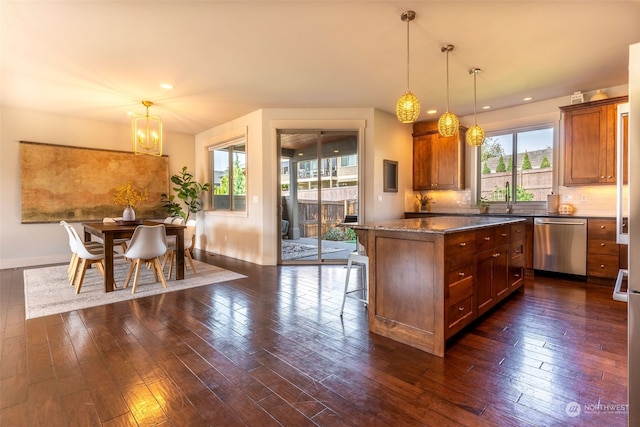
318 188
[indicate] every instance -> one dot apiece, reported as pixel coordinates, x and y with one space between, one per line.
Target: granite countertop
513 214
437 224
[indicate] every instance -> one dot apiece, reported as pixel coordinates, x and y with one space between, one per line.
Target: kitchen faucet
508 197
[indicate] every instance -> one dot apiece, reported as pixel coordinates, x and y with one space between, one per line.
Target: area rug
292 250
47 290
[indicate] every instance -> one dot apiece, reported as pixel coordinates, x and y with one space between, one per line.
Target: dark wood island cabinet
431 277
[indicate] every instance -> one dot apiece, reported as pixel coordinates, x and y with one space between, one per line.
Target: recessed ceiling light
166 85
486 107
432 111
528 98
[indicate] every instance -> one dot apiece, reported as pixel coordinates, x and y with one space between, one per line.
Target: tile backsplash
594 200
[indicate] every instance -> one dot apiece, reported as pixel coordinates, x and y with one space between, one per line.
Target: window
350 160
229 176
531 169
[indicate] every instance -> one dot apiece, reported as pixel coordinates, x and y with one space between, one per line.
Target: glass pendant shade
448 124
408 108
475 136
147 133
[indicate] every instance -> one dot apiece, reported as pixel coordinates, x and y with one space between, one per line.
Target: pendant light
448 123
408 106
147 133
475 134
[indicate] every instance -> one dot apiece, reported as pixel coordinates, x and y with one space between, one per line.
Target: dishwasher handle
543 222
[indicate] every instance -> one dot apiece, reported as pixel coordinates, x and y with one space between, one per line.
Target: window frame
514 131
229 146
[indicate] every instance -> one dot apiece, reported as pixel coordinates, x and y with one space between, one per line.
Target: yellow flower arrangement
127 195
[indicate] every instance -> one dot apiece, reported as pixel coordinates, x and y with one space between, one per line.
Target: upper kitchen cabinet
438 162
590 142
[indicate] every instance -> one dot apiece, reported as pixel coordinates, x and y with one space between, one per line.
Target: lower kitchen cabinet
492 277
603 253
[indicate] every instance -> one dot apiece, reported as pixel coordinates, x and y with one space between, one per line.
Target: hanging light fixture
408 106
475 134
448 123
147 133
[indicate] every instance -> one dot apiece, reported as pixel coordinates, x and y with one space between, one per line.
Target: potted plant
424 201
483 205
186 199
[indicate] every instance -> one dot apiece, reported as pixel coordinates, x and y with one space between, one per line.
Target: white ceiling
99 59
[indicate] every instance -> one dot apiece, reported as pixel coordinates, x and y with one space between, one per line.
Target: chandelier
475 134
448 123
408 106
147 133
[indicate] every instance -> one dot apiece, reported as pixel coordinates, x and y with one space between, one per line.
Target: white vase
128 214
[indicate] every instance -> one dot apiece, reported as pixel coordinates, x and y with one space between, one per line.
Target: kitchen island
430 277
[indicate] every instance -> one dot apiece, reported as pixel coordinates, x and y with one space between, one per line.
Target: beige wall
37 244
253 236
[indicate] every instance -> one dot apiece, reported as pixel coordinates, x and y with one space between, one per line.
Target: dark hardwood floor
271 349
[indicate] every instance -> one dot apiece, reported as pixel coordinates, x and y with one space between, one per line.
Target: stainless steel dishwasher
560 245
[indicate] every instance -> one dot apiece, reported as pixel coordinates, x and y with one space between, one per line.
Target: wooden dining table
109 231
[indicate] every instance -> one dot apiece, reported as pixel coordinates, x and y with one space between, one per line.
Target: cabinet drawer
603 247
602 266
503 234
460 312
485 238
459 273
601 229
517 249
460 245
518 231
460 290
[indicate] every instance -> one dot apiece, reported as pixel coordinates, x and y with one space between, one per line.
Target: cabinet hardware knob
496 255
602 177
602 227
487 238
460 308
610 176
463 244
504 234
517 274
601 244
518 231
461 273
601 265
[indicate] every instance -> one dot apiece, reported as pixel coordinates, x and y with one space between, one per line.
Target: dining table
109 231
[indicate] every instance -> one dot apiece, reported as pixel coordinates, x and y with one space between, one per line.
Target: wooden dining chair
147 244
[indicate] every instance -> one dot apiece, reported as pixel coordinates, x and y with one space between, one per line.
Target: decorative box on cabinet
590 142
438 162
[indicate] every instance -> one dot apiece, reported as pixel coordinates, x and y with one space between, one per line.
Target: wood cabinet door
421 163
485 293
583 132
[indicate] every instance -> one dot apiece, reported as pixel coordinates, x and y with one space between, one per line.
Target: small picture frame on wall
390 176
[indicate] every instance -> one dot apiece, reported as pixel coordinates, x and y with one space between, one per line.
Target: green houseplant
186 199
483 205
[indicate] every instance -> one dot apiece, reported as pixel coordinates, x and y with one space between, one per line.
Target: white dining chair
87 255
73 246
117 242
170 256
147 244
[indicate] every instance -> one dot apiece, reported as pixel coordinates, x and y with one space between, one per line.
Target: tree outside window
229 177
531 168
